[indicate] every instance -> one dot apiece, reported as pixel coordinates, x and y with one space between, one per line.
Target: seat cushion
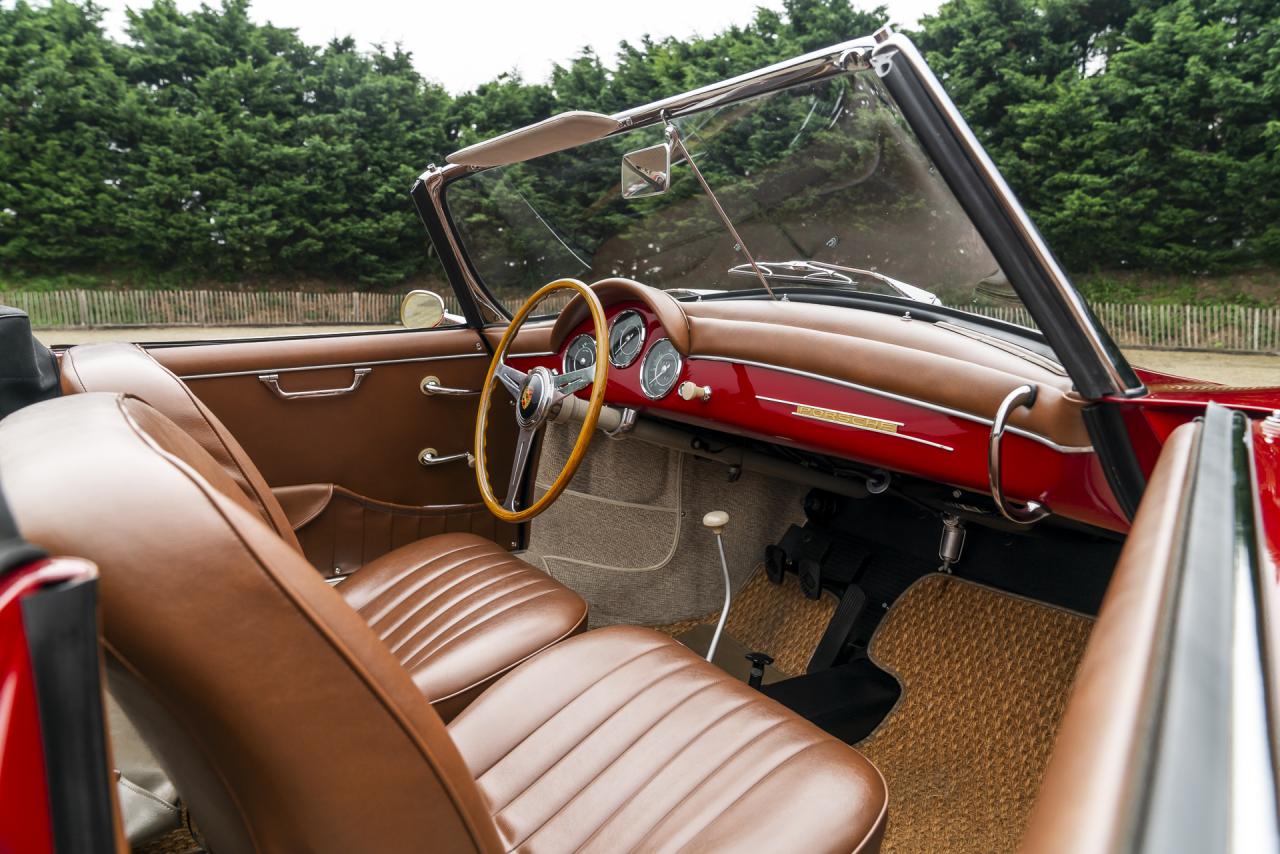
457 610
622 739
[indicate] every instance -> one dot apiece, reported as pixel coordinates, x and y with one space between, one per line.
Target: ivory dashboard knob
716 520
693 391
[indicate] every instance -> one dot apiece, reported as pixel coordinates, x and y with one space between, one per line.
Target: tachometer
581 353
660 369
626 339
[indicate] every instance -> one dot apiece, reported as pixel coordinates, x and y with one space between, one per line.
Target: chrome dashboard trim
852 426
372 362
888 395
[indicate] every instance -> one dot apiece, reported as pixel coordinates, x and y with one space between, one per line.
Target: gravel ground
1258 369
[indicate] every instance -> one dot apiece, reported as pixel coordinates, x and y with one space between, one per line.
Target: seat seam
612 670
595 729
581 789
716 770
485 614
748 790
446 612
745 703
417 583
581 619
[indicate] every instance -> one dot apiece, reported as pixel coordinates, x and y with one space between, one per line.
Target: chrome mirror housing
646 171
421 309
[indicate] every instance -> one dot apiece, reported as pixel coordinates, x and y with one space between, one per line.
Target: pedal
851 606
759 661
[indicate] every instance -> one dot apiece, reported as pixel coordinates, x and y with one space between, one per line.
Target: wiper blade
821 273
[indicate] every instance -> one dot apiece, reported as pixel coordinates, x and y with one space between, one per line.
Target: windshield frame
1081 344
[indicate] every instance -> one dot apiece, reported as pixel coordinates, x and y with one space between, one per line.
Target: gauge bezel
564 360
644 334
644 386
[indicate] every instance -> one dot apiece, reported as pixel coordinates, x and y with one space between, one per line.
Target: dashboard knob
693 391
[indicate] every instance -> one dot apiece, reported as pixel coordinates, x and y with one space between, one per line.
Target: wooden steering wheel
535 395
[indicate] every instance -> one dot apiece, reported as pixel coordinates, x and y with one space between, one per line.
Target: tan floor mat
772 618
985 677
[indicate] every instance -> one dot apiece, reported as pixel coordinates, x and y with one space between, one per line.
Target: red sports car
855 566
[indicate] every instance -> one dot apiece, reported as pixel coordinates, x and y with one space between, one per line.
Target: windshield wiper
821 273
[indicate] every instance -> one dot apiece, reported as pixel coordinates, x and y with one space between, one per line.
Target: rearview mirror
421 310
646 172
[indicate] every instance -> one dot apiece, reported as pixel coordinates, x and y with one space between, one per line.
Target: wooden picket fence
85 308
1184 327
1224 328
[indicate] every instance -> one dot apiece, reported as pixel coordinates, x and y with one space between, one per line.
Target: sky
464 43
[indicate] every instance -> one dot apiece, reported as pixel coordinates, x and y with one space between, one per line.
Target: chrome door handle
1032 511
431 385
428 457
273 382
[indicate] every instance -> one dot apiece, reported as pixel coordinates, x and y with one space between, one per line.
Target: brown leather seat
289 726
622 739
457 610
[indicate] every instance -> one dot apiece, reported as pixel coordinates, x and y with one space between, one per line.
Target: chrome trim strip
945 410
272 381
1004 195
372 363
854 426
531 355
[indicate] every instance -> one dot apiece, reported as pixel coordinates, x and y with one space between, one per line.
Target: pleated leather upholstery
623 739
458 611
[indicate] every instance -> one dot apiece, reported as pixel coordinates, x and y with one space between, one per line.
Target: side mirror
421 310
646 172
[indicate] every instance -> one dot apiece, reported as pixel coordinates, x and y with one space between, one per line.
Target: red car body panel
25 821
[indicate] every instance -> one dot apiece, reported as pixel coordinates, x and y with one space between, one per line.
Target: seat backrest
129 369
285 722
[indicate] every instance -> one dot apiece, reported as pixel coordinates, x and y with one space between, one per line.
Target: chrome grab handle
1032 511
429 457
431 385
273 382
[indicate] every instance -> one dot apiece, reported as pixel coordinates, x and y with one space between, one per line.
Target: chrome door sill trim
369 363
901 398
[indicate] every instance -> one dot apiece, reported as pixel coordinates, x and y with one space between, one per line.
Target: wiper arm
821 273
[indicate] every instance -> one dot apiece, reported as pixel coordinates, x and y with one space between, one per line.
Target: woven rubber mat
985 676
774 618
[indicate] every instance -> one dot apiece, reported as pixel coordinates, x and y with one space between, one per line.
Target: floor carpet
774 618
985 676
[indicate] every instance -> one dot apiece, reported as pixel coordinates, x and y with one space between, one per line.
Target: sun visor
550 135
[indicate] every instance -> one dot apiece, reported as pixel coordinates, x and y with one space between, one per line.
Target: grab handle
273 382
1032 511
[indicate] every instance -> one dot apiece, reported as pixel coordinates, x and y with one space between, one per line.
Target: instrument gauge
660 369
581 353
626 339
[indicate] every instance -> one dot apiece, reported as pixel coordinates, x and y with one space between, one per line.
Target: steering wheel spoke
511 378
519 463
573 381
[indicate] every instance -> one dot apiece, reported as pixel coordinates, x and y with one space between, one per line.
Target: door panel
366 442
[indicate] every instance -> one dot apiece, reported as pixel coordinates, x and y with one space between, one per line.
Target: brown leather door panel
340 531
365 442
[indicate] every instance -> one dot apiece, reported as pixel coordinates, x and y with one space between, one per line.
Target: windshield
820 176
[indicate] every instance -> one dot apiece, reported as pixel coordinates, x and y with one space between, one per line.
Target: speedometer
626 339
581 353
660 369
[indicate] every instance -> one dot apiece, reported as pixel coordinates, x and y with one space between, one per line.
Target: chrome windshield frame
858 54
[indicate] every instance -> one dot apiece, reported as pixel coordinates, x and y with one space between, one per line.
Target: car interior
317 636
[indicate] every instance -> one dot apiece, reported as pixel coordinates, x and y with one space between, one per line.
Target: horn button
535 398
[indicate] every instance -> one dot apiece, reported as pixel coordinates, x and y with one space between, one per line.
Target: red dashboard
782 405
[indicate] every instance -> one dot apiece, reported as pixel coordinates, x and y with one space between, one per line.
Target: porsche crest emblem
526 398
